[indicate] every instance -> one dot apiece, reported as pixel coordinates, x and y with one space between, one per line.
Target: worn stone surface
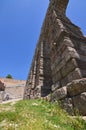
2 86
60 56
55 86
2 89
80 103
67 105
75 74
59 94
76 87
1 96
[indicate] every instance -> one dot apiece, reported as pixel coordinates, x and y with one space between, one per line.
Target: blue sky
20 24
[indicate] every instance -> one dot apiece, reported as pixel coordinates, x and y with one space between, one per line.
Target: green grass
37 115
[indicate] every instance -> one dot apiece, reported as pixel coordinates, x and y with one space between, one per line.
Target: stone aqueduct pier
59 62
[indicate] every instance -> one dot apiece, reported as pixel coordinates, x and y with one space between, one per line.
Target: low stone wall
72 96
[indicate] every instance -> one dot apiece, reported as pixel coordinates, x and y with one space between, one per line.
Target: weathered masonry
2 89
59 62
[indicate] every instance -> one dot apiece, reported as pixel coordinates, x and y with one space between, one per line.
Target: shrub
9 76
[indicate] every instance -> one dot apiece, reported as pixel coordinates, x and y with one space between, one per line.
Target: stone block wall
60 56
72 97
39 80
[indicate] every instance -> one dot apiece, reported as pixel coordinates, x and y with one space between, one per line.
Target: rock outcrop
2 89
59 62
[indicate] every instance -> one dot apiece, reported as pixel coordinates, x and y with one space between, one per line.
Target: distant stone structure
14 89
59 63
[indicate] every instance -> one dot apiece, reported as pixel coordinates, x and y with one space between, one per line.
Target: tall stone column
34 75
27 91
59 5
41 73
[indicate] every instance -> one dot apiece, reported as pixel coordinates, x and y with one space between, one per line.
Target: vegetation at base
9 76
37 115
